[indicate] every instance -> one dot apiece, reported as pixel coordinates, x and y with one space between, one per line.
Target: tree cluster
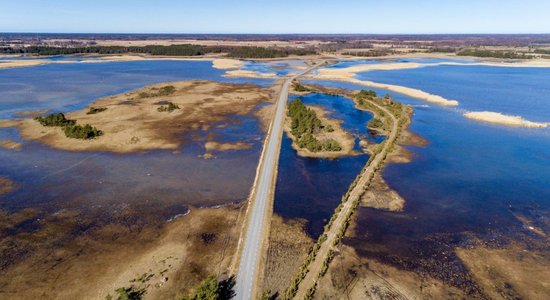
262 52
491 53
304 124
70 128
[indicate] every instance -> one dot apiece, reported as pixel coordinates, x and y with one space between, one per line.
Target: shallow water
53 179
311 188
472 179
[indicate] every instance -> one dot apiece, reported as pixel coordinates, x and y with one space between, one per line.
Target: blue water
280 68
311 188
515 91
68 87
472 179
51 179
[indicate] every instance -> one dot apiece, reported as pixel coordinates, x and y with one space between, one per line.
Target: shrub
81 132
169 107
56 119
95 110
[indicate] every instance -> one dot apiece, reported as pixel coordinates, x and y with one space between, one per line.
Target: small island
315 135
153 117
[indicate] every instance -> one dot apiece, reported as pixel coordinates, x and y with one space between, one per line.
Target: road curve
251 251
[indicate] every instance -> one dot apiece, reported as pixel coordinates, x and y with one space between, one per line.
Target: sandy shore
217 146
133 123
9 144
501 119
223 63
348 74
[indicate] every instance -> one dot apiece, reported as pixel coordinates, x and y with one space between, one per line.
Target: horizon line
281 33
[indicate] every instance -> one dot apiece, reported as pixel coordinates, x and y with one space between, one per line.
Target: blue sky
276 16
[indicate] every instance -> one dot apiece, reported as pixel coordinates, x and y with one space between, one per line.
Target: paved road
248 265
356 192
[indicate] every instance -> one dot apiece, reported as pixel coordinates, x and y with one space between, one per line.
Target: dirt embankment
132 121
42 259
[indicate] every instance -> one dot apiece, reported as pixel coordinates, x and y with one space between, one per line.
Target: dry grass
132 123
288 247
509 273
50 263
352 277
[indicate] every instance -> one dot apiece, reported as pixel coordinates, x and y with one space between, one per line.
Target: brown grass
288 247
50 263
132 123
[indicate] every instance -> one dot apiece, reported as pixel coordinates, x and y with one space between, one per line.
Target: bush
158 92
56 119
85 132
169 107
95 110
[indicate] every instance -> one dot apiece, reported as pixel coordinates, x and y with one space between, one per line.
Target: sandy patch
8 64
380 196
133 123
6 185
226 63
31 113
348 75
512 273
217 146
249 74
9 144
344 138
501 119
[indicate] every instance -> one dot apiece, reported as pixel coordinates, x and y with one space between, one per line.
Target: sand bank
501 119
6 185
348 74
217 146
226 63
133 123
9 144
249 74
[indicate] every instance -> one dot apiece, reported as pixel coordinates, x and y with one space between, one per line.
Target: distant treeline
261 52
542 51
369 53
172 50
491 53
175 50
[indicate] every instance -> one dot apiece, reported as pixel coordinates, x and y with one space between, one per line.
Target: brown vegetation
133 123
167 260
288 247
